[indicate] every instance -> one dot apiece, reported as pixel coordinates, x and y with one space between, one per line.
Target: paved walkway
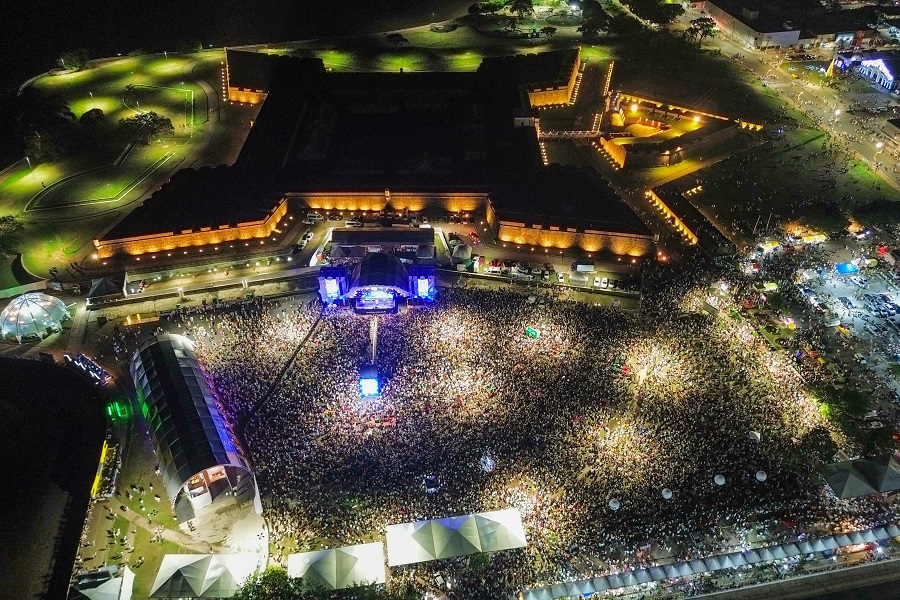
79 325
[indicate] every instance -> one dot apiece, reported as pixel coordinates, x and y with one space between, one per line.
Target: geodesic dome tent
32 315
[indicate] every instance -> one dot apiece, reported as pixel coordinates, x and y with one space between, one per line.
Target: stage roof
339 568
367 236
379 269
202 575
447 537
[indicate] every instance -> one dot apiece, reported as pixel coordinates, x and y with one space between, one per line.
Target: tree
548 31
819 442
593 24
622 24
521 7
396 39
46 124
274 584
881 211
144 126
10 233
475 9
74 59
826 216
92 117
702 28
190 46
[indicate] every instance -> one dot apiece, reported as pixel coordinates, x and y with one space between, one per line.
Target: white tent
202 575
340 567
103 586
422 541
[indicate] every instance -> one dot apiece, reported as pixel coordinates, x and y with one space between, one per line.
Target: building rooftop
195 198
249 69
566 197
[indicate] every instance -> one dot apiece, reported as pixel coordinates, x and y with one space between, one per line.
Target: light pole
28 159
92 100
878 148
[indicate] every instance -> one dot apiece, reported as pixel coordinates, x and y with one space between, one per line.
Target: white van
315 217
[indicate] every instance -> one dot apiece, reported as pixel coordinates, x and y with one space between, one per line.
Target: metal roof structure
380 270
202 575
447 537
188 431
339 568
32 315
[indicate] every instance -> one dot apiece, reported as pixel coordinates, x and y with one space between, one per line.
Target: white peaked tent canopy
104 588
340 567
202 575
454 536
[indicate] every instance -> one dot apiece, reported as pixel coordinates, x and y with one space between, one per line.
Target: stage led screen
368 387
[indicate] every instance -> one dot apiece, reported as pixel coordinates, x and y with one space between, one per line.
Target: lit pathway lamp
879 148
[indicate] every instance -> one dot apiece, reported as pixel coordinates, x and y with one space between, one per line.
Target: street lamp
92 100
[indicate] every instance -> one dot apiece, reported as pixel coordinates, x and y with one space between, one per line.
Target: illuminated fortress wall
236 94
563 238
161 242
399 201
557 94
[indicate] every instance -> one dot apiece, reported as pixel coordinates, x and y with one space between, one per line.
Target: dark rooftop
566 196
206 197
363 236
250 70
535 70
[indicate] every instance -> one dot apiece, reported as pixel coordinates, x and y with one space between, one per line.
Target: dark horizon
34 39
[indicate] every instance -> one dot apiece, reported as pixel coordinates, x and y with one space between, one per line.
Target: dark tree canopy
46 124
10 234
74 59
144 126
92 117
396 39
274 584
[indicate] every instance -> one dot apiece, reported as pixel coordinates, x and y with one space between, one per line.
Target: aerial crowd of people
606 429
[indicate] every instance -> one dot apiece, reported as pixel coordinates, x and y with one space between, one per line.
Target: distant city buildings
789 24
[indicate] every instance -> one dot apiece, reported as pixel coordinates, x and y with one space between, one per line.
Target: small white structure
339 568
32 316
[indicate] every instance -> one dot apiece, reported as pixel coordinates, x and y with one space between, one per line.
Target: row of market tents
714 563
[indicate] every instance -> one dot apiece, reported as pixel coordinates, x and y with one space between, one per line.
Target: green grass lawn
786 177
105 184
799 68
153 553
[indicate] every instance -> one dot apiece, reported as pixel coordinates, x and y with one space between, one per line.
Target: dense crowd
600 404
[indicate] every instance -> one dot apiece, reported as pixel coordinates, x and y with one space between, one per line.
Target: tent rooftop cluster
864 476
448 537
202 575
340 568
